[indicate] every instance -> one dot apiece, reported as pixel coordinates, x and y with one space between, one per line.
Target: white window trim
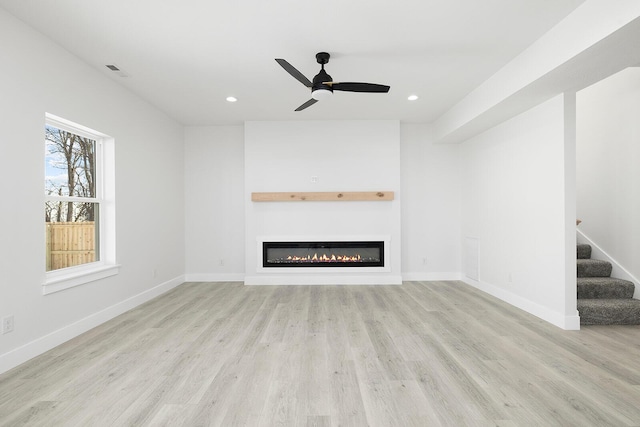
65 278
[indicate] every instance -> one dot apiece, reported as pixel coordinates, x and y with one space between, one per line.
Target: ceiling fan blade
359 87
309 103
295 73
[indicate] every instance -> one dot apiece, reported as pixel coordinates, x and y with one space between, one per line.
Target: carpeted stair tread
593 268
584 251
609 311
604 288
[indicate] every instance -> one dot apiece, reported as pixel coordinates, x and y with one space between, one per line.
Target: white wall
608 167
430 175
344 156
513 203
214 203
214 200
37 77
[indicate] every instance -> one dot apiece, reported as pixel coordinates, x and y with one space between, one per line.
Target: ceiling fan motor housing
322 58
319 80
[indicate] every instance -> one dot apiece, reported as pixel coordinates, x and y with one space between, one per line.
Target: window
79 207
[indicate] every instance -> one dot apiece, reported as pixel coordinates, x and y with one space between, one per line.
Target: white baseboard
40 345
421 276
560 320
328 280
269 279
214 277
618 270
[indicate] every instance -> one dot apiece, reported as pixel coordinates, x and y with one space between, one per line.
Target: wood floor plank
347 408
220 394
248 403
413 404
171 415
420 354
316 379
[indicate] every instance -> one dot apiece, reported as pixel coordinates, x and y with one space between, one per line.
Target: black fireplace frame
318 245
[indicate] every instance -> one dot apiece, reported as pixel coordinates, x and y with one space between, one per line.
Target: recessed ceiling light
232 98
412 97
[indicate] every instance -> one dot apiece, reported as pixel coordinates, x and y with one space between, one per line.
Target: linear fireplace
323 254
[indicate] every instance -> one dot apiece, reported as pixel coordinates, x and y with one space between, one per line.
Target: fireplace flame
325 258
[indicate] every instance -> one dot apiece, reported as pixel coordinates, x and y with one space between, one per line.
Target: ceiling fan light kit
323 85
320 94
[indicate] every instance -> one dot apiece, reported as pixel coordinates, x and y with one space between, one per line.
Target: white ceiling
187 56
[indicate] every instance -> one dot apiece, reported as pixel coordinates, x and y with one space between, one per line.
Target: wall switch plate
7 324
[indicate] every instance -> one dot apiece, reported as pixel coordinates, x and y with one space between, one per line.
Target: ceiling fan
323 85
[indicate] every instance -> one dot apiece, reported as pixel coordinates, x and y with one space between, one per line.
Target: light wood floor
423 354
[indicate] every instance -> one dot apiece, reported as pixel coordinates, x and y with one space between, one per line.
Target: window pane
71 242
70 164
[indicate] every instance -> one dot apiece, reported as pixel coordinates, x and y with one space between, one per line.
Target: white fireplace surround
308 156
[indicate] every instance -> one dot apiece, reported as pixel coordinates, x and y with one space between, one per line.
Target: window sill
60 280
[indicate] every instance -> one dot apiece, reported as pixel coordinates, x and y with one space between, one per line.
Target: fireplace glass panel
323 254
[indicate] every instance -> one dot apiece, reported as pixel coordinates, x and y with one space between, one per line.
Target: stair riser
604 288
584 251
595 270
609 312
605 292
610 319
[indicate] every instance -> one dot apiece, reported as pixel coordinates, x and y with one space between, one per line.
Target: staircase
602 299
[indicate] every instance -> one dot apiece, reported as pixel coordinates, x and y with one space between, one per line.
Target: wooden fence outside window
70 243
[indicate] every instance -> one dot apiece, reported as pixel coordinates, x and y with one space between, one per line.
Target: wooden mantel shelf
329 196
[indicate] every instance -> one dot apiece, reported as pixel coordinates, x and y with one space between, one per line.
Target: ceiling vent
117 70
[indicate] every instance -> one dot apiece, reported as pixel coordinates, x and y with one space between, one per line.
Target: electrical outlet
7 324
221 262
424 261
